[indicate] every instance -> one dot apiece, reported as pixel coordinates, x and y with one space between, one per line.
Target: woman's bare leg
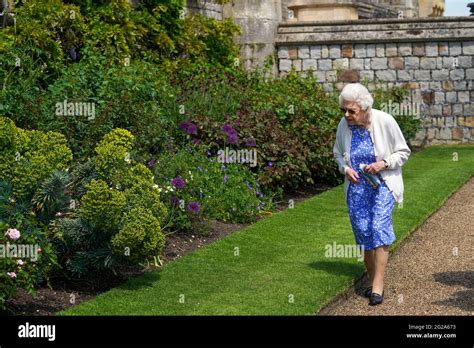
381 258
369 260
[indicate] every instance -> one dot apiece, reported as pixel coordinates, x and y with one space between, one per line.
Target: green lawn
282 257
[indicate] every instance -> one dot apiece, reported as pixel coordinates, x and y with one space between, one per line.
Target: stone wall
258 20
431 57
207 8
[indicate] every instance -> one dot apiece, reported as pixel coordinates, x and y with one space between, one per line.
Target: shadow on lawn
146 280
339 268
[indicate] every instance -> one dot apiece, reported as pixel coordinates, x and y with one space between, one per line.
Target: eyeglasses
351 112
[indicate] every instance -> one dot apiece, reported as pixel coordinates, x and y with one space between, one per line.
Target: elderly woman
369 141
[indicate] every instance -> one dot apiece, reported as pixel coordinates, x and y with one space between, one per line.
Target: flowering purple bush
209 189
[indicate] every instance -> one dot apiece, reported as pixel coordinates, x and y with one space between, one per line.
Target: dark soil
66 293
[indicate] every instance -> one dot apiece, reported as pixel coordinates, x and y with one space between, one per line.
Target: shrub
102 206
110 189
195 185
140 236
26 260
29 157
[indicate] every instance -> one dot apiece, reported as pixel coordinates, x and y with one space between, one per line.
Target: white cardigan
389 145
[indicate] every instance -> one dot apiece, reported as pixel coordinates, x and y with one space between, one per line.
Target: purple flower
200 168
150 163
270 164
250 142
248 185
231 132
188 127
194 207
73 54
232 139
259 193
174 200
225 178
223 167
209 153
227 128
196 141
192 129
178 182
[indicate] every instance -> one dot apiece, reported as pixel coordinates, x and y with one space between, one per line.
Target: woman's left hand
375 167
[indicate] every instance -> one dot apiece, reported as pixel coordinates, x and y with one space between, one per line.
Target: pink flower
20 263
11 274
13 234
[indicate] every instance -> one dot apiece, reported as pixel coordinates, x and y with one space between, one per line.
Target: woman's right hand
352 176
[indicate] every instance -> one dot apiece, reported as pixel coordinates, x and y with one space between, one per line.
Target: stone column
258 20
207 8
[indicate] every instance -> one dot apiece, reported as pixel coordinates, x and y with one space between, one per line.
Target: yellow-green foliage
124 198
28 157
113 152
102 205
7 147
140 237
146 196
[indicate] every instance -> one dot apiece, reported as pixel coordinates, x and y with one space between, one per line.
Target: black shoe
375 299
368 292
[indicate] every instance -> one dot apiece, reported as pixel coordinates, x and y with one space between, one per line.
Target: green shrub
214 190
29 157
102 206
110 189
140 236
25 262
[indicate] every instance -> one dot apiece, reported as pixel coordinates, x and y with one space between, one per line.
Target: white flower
20 263
13 234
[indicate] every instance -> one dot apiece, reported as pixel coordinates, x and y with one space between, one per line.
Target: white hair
355 92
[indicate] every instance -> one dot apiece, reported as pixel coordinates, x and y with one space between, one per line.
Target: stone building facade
420 54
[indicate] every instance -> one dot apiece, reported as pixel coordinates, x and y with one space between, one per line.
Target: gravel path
431 272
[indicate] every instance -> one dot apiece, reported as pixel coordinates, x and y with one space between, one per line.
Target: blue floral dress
370 210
